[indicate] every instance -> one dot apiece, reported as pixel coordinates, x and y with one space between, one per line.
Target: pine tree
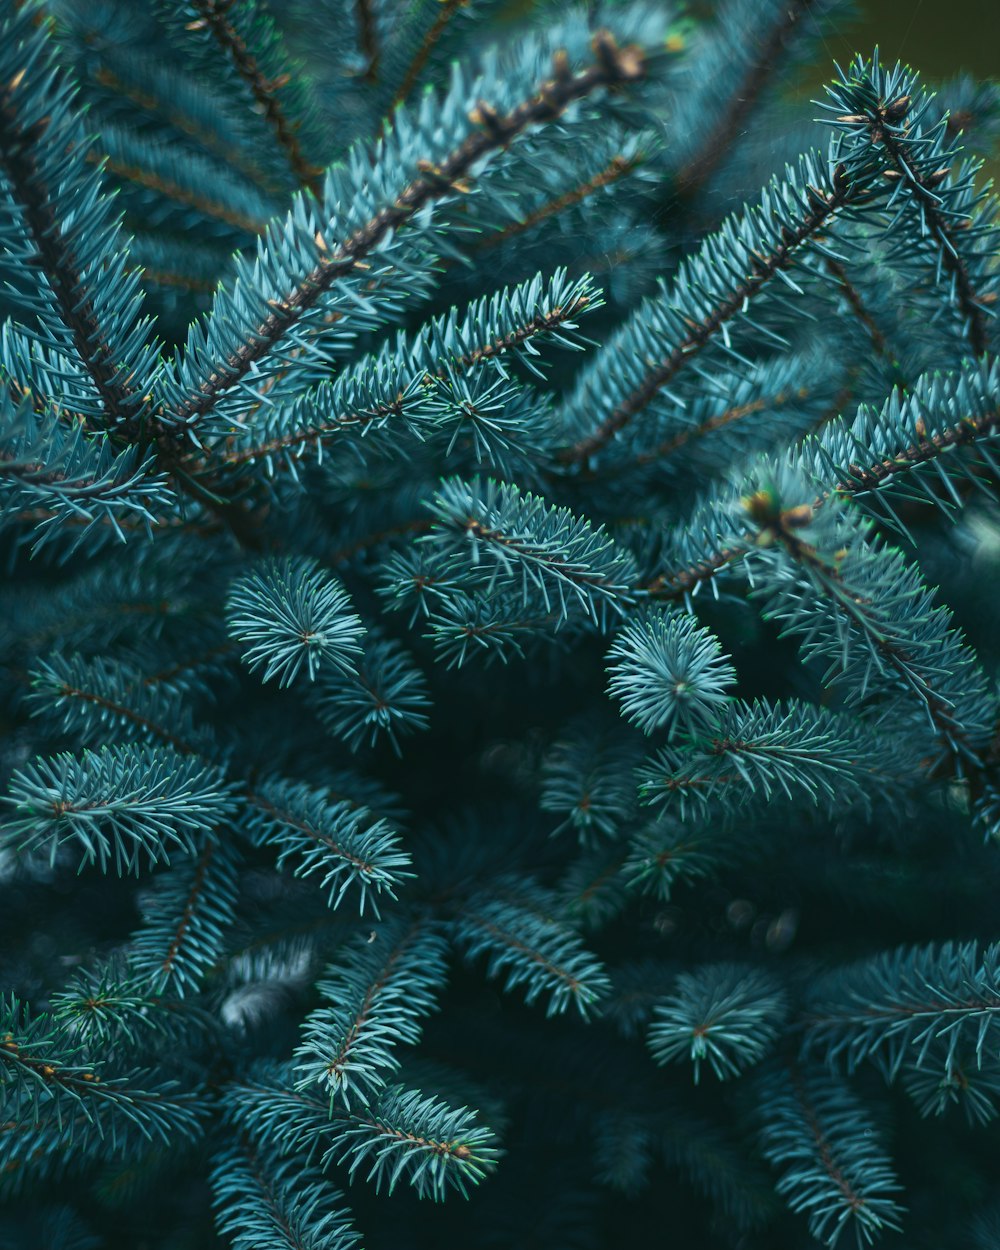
481 723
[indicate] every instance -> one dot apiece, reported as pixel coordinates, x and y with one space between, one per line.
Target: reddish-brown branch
514 943
144 98
857 305
190 906
126 713
264 90
287 818
824 1149
962 433
540 324
943 225
458 1150
619 167
336 1064
174 191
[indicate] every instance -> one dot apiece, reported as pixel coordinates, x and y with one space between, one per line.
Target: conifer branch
900 1004
20 142
286 1204
283 816
202 865
965 408
447 10
874 594
617 168
728 1015
145 97
171 190
378 994
404 393
172 279
839 274
884 131
967 431
682 439
823 205
742 101
121 711
612 67
186 916
59 1091
833 1168
330 834
264 90
522 940
681 582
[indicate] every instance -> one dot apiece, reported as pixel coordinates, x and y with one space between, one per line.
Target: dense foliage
479 718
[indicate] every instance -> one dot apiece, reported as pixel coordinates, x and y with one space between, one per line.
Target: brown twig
943 225
446 12
616 169
264 90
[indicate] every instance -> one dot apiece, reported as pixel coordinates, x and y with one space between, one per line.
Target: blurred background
938 37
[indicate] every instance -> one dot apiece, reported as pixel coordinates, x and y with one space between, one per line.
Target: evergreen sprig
669 673
723 1014
833 1168
123 803
347 845
531 949
384 983
261 1200
295 618
541 552
916 1003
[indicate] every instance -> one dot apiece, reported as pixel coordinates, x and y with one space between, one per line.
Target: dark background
938 37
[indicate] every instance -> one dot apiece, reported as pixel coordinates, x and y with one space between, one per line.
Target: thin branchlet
824 1149
19 144
783 528
541 323
760 73
191 904
170 190
882 126
426 46
823 205
144 97
858 307
617 168
678 583
265 91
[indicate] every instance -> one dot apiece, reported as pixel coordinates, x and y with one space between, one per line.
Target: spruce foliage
499 518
